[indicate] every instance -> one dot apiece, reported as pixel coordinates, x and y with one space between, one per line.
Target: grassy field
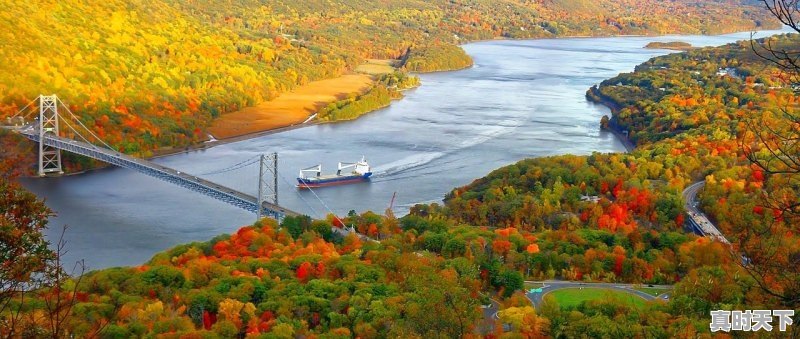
571 297
377 66
652 290
289 108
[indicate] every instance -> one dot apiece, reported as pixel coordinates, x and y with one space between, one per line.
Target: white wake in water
421 159
407 163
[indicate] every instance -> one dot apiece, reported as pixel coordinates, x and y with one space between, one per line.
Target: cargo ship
312 177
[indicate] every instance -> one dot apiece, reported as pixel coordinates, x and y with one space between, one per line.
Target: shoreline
193 148
472 64
208 145
593 95
761 29
627 143
216 142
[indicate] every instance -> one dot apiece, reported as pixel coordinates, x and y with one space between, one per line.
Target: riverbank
755 29
442 136
287 112
217 142
298 122
618 132
594 95
243 128
290 108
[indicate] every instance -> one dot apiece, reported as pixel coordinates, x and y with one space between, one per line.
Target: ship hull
316 182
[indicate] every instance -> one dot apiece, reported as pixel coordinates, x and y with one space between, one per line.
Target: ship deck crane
360 167
314 169
345 165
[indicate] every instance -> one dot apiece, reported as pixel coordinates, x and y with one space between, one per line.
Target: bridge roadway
186 180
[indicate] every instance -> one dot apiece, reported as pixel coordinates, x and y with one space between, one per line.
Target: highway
696 217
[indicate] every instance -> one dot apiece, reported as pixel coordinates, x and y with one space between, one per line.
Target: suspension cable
24 108
299 195
234 167
82 125
322 202
78 134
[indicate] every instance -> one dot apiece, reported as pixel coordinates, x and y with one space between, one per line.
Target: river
521 99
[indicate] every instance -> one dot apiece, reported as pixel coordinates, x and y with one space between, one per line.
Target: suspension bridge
45 129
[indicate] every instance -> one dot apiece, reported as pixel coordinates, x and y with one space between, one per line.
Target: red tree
303 271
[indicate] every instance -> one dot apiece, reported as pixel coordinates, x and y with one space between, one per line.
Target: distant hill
148 74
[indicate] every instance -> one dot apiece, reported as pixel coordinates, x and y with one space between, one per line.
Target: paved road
696 216
486 325
552 285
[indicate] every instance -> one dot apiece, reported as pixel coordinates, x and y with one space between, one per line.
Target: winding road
552 285
487 324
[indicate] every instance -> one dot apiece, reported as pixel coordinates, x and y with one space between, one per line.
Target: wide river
521 99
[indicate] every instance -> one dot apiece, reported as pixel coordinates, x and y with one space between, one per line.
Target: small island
673 45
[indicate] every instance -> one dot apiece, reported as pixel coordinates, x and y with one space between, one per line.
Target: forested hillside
150 74
699 115
728 109
615 218
716 115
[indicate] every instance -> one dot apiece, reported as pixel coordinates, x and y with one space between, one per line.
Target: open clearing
571 297
377 66
289 108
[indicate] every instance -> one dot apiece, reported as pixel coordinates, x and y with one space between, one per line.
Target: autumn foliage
152 75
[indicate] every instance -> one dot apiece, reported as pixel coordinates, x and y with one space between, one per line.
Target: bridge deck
186 180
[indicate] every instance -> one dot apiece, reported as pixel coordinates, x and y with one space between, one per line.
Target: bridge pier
49 157
263 188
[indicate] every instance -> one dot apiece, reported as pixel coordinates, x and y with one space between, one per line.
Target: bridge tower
49 157
265 169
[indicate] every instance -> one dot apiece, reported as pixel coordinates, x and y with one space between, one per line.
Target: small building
727 71
590 198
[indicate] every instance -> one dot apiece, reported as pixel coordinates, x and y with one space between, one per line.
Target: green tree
296 225
511 281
